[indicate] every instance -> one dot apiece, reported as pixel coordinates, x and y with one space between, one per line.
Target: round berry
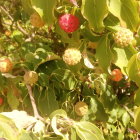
123 37
72 56
116 75
36 20
30 77
1 101
69 23
5 65
7 33
81 108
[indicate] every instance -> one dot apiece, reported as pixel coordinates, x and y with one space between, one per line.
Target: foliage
48 65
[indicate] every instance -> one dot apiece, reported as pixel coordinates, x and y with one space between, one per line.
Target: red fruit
69 23
5 65
1 101
116 75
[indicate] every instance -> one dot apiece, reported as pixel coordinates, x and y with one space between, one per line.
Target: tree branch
12 19
6 12
36 114
129 111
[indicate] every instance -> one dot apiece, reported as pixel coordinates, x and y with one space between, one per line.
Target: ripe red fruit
69 23
5 65
1 101
116 75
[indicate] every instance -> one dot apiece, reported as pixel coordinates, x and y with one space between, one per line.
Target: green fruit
30 77
72 56
123 37
81 108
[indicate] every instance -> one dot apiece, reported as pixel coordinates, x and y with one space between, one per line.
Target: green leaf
56 114
12 100
65 77
73 134
125 119
134 68
111 20
47 101
137 119
45 8
94 11
43 79
27 136
88 34
59 112
64 36
137 97
27 6
97 109
2 80
122 56
88 131
126 11
8 128
108 98
103 53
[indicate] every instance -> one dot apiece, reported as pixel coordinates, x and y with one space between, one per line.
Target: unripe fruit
1 101
123 37
69 23
36 20
7 33
5 65
116 75
81 108
30 77
72 56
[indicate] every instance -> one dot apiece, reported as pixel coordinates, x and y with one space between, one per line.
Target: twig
6 12
129 111
21 29
12 19
36 114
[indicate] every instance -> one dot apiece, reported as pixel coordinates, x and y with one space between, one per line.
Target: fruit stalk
36 114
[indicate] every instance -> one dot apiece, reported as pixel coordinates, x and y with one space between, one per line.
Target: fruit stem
36 114
74 10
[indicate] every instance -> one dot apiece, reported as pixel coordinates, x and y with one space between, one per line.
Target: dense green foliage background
111 105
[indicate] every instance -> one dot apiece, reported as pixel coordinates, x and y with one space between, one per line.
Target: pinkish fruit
69 23
1 101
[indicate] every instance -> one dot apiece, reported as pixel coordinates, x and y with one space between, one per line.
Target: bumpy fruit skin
72 56
7 33
1 101
30 77
5 65
36 20
69 23
123 37
81 108
116 75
